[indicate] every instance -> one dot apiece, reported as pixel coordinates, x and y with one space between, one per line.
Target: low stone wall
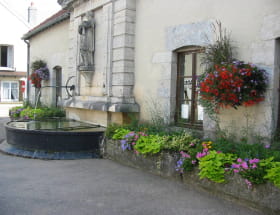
265 197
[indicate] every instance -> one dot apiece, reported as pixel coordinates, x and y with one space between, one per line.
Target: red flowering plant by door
234 84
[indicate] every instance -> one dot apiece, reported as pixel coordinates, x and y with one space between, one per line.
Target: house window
188 112
6 56
9 91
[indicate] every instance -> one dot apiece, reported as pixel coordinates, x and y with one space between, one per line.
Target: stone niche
101 57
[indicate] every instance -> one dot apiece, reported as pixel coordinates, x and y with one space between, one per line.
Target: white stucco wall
162 26
51 46
12 29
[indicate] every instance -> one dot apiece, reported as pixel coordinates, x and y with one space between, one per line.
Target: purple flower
267 146
194 162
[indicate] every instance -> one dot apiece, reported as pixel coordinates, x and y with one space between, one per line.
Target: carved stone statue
86 49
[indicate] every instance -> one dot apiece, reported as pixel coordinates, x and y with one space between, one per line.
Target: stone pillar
123 51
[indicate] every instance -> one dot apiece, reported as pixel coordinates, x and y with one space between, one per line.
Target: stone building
126 57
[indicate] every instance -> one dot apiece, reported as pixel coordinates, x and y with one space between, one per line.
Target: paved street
98 187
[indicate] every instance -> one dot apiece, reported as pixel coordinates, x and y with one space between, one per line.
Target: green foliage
120 133
219 51
213 165
180 142
243 150
151 144
41 113
256 175
273 173
38 64
14 112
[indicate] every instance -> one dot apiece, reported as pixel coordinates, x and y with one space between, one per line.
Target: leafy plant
151 144
273 173
213 165
180 142
41 113
120 133
14 112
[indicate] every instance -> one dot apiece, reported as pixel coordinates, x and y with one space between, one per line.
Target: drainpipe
28 70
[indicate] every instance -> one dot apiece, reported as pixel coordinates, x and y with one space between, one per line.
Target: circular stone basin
53 139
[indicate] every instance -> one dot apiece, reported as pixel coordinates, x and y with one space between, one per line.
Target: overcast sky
45 8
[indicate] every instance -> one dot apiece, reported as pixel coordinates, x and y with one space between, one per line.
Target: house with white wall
126 57
13 53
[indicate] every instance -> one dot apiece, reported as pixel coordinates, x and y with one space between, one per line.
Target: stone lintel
102 106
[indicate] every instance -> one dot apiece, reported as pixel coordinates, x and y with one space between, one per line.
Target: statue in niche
86 32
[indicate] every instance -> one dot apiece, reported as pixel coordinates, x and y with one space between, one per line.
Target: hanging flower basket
40 72
234 84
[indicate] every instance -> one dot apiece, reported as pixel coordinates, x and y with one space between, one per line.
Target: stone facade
136 49
109 88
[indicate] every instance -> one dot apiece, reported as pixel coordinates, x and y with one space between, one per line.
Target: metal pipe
28 71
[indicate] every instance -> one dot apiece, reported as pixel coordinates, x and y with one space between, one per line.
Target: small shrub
180 142
151 144
214 165
14 112
120 133
273 174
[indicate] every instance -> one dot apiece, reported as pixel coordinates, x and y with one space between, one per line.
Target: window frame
10 88
181 53
9 56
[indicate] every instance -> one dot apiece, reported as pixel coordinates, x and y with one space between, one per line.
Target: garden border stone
264 197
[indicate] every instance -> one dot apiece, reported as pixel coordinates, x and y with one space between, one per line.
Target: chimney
32 15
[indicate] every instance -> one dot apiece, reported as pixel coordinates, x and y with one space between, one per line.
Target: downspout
28 70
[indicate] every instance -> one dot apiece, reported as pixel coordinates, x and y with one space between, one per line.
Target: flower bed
242 171
264 197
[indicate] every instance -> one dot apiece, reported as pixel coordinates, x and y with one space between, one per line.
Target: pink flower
200 155
254 166
235 170
255 160
249 183
219 152
185 155
133 143
193 161
239 160
237 166
244 165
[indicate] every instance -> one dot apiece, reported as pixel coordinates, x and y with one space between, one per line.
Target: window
58 83
6 56
188 112
9 91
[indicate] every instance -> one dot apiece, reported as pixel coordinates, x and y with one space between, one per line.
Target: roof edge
46 25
